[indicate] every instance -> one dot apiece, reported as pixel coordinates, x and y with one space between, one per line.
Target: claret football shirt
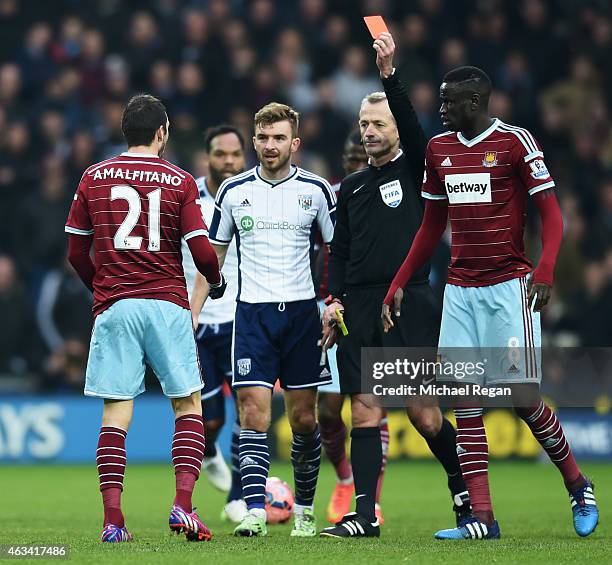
486 181
138 207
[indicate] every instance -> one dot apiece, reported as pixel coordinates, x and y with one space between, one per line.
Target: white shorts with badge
493 325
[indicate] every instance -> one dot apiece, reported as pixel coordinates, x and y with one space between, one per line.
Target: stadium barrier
64 429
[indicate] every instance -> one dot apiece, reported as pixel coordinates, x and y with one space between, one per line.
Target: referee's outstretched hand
387 318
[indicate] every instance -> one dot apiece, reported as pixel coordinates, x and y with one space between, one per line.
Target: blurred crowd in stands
67 67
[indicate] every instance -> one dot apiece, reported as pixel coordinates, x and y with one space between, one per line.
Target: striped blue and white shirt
219 311
274 224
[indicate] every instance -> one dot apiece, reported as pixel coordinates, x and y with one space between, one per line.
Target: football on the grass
279 501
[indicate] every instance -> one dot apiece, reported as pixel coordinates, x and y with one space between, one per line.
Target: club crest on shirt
305 201
244 366
490 159
391 193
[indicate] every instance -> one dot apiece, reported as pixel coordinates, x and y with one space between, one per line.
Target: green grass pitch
61 504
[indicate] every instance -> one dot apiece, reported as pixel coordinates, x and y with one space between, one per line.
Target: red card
376 25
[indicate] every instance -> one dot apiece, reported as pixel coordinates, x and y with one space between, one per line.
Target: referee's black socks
444 447
366 459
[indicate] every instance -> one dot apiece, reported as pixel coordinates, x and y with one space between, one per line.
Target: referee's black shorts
418 326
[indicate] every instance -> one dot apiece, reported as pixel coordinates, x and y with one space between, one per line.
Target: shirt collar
399 154
292 172
486 133
131 154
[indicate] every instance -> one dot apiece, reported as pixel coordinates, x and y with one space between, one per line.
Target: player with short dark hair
142 117
214 324
214 132
471 79
480 174
135 209
379 212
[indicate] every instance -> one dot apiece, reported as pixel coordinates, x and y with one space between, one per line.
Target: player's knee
252 417
427 421
328 415
117 414
302 421
526 397
365 415
189 405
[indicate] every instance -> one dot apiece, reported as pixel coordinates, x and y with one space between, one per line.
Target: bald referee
379 212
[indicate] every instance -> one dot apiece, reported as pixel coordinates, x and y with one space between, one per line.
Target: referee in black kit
378 214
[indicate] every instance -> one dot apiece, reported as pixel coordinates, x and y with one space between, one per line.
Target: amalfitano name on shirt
135 175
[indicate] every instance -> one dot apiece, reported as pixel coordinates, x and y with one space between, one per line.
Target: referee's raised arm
412 136
379 212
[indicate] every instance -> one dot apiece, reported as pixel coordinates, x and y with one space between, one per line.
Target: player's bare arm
207 264
198 298
221 251
201 288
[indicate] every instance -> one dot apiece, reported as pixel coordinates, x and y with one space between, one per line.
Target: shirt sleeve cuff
430 196
541 187
77 231
391 79
219 241
195 233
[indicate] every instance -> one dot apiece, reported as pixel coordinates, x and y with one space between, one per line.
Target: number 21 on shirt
123 239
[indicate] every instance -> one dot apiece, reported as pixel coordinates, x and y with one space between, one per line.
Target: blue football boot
471 528
584 509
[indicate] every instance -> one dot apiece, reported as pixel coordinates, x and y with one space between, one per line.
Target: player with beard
224 158
272 211
135 209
